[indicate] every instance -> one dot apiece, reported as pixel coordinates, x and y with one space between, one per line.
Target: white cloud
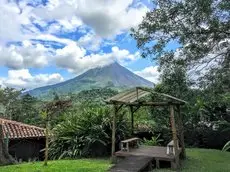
124 55
23 79
107 18
11 20
1 82
57 9
74 58
150 73
48 37
90 41
71 57
27 55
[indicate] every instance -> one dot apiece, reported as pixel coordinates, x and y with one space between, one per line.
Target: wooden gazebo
133 99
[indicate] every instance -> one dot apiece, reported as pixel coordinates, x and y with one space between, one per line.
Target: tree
173 79
7 96
28 111
50 109
9 99
5 157
201 27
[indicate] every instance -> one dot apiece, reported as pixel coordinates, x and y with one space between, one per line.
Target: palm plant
226 125
226 146
154 141
84 132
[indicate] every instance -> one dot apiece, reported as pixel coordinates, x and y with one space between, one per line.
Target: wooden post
7 141
47 140
174 133
181 133
132 121
114 133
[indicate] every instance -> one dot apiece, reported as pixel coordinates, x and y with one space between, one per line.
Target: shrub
86 133
154 141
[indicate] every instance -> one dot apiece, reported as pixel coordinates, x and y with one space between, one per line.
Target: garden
79 128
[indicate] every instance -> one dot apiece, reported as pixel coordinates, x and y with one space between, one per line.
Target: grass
81 165
198 160
205 160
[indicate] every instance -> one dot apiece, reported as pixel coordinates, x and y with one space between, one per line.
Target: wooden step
132 164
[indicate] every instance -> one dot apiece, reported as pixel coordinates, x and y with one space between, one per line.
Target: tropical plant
226 128
226 146
85 132
154 141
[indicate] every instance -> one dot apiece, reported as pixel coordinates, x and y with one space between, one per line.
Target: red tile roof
18 130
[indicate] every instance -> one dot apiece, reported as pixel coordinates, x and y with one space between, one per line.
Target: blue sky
44 42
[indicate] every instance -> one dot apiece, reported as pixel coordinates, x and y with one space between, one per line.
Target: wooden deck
157 153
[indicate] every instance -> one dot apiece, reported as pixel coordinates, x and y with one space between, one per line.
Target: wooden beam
132 121
137 107
162 94
132 110
181 133
114 134
174 133
119 108
146 103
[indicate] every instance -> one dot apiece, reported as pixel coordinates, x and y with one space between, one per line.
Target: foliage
29 110
23 108
226 146
226 128
9 100
154 141
201 115
86 132
201 28
93 95
80 165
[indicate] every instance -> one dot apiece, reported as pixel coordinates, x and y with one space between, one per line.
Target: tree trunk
5 157
47 142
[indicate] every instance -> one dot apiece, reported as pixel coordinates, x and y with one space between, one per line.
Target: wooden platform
133 164
157 153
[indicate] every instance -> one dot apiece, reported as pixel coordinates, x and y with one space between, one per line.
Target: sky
44 42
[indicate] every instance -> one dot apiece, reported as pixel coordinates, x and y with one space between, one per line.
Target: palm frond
226 146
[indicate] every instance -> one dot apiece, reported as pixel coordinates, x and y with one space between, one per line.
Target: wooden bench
125 144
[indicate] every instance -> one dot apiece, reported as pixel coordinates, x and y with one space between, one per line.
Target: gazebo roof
133 96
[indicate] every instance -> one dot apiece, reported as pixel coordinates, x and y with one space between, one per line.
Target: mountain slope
113 76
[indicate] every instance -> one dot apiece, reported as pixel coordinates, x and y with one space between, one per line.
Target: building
25 142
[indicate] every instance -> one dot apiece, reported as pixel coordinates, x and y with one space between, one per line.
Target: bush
154 141
86 133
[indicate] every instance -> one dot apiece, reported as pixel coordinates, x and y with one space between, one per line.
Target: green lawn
81 165
199 160
205 160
